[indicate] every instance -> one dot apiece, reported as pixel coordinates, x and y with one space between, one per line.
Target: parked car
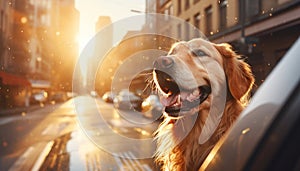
267 135
152 108
59 97
109 97
127 100
39 97
94 94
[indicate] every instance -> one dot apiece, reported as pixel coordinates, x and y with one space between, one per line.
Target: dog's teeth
188 99
178 99
196 92
193 96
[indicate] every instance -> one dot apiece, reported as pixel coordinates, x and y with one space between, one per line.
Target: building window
187 4
162 2
208 20
187 29
178 7
1 21
223 14
195 1
197 24
197 20
268 5
166 12
252 8
171 9
179 30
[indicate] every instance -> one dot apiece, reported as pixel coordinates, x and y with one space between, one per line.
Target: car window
256 121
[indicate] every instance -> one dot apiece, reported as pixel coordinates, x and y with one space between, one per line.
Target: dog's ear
239 76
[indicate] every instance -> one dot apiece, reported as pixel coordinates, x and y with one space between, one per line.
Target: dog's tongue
168 101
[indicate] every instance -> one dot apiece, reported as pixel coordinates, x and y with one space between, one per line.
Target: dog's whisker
182 124
158 86
143 74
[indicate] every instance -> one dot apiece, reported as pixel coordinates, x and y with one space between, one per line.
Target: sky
90 10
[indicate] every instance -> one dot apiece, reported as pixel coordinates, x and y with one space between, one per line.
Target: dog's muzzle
174 97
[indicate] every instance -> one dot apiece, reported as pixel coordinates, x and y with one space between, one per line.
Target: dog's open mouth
177 99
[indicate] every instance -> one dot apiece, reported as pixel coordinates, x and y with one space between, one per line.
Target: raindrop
23 20
4 144
23 114
245 130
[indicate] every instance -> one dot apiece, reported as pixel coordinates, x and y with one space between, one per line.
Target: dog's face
193 70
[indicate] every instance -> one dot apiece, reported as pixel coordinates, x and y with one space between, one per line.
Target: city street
65 136
84 84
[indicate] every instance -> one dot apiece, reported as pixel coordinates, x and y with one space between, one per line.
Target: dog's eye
199 53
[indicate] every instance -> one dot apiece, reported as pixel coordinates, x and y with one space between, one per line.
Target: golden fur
187 154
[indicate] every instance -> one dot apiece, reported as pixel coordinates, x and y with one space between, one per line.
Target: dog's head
186 76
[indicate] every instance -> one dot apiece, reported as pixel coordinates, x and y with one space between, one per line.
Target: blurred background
42 40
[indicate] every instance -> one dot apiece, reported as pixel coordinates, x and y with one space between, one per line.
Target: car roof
258 124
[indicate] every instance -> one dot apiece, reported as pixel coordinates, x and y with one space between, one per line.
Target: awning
40 84
14 80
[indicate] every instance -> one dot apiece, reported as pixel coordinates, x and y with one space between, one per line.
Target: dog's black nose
163 62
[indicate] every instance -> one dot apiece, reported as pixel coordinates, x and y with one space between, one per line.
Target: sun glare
83 40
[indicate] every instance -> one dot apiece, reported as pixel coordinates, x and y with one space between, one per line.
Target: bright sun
83 40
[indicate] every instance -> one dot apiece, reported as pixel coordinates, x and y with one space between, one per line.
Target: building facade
34 36
262 30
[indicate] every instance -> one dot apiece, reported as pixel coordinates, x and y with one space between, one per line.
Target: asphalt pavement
68 136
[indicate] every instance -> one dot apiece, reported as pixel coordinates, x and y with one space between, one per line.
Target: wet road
81 134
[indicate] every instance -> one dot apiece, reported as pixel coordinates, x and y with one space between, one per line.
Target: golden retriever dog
203 87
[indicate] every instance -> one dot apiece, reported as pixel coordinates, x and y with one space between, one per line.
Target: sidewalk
18 110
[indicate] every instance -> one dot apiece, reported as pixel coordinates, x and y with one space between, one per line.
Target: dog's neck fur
185 153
